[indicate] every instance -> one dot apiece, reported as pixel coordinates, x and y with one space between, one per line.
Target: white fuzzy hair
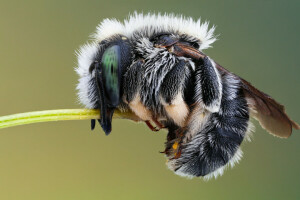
85 56
136 22
160 23
215 174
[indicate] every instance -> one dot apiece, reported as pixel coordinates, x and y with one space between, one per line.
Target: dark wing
270 114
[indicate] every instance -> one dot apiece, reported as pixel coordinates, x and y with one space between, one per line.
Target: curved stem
56 115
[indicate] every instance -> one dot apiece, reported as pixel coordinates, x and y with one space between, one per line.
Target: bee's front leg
131 87
152 128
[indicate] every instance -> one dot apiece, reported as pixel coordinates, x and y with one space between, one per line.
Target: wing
270 114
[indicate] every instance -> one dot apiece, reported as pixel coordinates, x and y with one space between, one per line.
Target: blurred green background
259 40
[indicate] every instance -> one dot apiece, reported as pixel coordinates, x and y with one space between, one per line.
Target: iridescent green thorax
110 73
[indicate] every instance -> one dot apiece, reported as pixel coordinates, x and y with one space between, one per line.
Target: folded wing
270 114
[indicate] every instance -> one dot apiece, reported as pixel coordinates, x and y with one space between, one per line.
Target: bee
153 65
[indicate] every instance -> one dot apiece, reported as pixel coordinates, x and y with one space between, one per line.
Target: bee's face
153 66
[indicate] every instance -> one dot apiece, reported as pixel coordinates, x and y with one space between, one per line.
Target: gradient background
259 40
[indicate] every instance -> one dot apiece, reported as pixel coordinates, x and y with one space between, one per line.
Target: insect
153 66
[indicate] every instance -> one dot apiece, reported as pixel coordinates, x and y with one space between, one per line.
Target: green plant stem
56 115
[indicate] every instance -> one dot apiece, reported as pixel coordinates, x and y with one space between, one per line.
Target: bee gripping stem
57 115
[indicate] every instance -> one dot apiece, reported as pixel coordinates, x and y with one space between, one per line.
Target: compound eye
116 57
110 73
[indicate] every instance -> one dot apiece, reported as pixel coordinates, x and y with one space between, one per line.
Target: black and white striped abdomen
212 140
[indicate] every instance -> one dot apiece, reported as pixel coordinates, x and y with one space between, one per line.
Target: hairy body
153 65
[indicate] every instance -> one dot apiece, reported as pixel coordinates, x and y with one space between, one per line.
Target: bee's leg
174 141
213 140
172 93
93 124
131 96
132 81
158 124
151 127
208 88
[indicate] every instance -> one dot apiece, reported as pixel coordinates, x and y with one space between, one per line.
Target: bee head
102 84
